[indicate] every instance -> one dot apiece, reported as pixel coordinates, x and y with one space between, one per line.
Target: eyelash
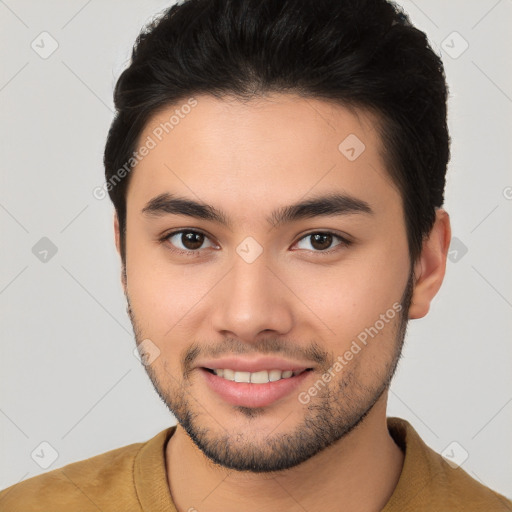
344 242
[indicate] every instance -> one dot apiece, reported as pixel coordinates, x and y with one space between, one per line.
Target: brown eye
187 240
191 240
321 241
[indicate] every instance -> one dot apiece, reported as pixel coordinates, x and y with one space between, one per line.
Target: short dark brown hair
360 53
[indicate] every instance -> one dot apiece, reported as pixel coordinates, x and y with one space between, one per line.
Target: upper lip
252 365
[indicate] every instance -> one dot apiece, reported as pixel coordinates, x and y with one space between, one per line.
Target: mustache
233 346
267 346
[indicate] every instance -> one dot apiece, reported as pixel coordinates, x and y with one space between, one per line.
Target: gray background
68 374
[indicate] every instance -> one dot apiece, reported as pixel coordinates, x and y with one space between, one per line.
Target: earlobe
430 268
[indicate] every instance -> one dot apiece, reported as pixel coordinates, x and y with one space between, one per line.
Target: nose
251 300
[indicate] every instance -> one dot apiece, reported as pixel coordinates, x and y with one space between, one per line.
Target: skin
247 159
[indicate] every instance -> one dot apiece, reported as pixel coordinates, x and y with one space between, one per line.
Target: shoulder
84 485
462 492
429 482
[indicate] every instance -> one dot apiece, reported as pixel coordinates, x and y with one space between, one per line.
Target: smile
260 377
254 389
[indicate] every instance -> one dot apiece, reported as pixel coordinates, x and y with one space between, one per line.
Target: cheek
168 299
160 293
350 297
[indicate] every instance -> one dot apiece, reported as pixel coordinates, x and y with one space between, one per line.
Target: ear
117 235
430 267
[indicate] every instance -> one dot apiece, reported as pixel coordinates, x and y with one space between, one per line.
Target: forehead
276 149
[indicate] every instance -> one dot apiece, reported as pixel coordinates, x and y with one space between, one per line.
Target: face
261 242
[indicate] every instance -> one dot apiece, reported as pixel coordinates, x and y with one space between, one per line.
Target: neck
358 473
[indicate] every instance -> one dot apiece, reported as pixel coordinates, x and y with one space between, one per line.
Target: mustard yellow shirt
133 479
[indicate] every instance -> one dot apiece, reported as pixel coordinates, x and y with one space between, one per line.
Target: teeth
261 377
274 375
242 377
227 374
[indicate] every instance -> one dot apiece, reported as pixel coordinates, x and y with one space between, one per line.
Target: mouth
254 389
259 377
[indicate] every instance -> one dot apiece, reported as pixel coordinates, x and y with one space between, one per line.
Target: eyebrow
322 206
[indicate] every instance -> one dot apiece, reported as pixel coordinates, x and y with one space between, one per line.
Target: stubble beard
337 409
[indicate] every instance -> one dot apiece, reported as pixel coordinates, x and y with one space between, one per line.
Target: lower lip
253 395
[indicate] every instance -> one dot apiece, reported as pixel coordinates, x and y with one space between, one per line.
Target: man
277 170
